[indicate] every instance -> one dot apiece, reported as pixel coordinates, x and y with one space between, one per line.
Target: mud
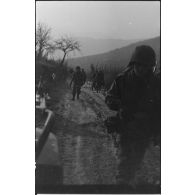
88 154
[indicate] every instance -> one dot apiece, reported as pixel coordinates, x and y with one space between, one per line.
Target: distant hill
92 46
118 57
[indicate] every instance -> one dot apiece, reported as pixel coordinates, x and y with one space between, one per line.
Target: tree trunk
40 53
63 59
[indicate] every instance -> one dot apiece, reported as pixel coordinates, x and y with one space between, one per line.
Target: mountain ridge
120 56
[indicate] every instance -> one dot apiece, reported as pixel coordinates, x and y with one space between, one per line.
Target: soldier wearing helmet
77 81
135 95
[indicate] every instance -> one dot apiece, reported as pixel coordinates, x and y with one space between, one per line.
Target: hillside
95 46
92 46
118 57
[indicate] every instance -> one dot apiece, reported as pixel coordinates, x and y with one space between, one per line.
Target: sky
101 19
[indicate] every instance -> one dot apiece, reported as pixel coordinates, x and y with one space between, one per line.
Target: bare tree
67 45
49 49
43 36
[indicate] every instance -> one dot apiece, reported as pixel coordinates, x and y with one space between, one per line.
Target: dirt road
87 152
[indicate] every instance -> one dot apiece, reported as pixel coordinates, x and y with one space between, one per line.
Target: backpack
78 78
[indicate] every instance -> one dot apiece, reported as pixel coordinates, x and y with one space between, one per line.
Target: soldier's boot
73 96
78 92
73 92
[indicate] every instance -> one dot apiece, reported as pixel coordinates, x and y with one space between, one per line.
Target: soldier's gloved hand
113 103
112 124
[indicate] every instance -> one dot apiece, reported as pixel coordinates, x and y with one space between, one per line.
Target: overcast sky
101 19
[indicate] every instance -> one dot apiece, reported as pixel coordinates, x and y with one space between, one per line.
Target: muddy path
87 152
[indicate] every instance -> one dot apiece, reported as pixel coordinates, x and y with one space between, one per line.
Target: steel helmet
143 54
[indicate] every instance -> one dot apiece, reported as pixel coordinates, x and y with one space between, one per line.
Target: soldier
102 82
77 80
98 82
135 94
84 76
94 80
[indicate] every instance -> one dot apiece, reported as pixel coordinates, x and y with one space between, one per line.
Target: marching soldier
135 94
77 81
